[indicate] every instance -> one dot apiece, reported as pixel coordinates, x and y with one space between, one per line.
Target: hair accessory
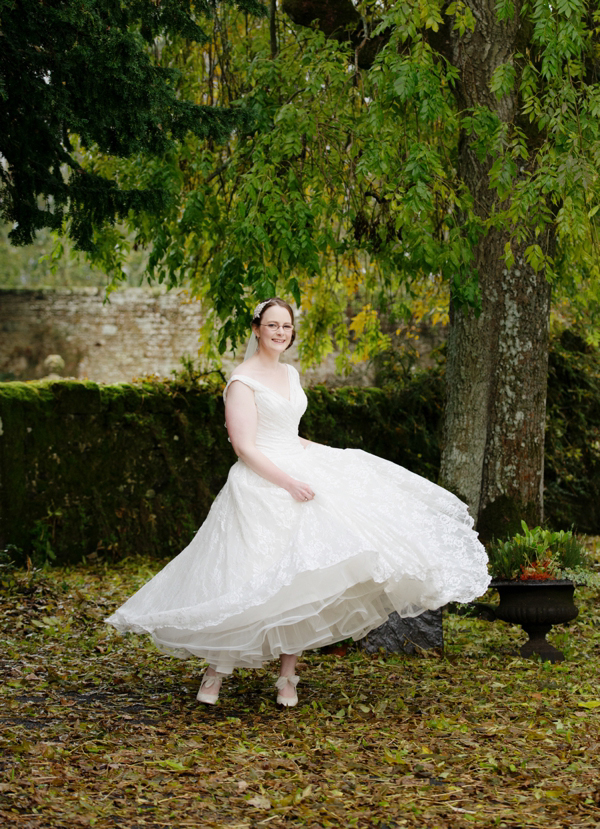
259 308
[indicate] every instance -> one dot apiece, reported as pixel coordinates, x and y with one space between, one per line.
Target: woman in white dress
305 545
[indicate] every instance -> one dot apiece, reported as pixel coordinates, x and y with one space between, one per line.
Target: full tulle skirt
267 575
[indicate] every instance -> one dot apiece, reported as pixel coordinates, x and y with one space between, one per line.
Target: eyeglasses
273 326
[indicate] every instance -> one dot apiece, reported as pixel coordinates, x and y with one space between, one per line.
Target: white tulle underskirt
247 641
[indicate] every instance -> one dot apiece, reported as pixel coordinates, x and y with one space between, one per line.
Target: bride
305 545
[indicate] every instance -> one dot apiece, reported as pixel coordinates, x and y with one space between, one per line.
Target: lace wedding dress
266 574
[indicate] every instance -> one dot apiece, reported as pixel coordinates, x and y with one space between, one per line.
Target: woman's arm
241 419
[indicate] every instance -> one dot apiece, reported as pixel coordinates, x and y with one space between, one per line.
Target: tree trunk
493 456
496 378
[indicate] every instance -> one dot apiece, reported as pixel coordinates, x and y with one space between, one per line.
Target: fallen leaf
260 801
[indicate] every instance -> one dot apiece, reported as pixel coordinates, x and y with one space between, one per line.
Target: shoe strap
283 681
209 681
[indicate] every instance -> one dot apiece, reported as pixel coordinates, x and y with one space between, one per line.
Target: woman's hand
306 443
300 491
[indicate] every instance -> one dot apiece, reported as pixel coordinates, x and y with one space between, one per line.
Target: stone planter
536 606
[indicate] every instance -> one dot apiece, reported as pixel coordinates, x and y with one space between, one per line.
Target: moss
120 399
22 410
24 392
77 398
78 464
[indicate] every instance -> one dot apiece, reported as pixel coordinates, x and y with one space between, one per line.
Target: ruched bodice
278 418
266 574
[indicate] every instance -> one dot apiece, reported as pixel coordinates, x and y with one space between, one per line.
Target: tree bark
273 29
497 369
496 377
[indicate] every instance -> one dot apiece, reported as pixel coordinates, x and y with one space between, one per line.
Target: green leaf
503 80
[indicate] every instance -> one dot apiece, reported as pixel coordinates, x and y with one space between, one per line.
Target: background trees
80 75
390 146
520 175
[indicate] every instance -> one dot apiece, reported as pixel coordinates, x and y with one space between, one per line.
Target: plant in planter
535 575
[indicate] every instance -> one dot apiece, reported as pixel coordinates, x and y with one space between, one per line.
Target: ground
101 730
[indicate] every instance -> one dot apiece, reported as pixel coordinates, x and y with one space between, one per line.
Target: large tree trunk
497 363
496 377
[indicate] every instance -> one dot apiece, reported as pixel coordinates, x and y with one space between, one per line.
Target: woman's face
272 333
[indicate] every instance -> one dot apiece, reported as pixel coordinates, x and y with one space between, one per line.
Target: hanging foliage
345 193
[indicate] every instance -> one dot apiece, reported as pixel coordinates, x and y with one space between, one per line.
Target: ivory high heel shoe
209 688
281 683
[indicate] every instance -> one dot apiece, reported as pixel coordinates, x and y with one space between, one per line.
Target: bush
572 450
538 555
113 470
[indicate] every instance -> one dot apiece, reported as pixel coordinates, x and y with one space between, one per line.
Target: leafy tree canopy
345 194
87 75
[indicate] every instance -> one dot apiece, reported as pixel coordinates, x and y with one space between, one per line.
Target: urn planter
536 606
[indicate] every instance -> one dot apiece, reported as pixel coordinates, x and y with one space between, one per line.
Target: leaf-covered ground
101 730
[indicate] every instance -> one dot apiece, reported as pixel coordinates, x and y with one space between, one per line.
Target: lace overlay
267 575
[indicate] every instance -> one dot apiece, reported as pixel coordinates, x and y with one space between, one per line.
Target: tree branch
273 29
337 19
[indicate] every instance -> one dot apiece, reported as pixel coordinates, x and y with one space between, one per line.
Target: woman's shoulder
247 382
245 378
245 369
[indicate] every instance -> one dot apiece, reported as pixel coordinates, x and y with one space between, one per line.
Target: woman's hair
269 303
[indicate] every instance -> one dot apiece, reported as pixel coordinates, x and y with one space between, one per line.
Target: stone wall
139 332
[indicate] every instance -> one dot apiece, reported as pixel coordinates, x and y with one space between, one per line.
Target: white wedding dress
266 574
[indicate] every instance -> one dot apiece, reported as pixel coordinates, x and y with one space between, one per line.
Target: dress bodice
278 418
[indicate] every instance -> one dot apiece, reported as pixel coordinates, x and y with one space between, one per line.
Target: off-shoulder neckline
268 388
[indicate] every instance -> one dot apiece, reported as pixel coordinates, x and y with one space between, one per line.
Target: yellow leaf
260 801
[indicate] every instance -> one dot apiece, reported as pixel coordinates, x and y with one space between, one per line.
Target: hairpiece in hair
259 308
